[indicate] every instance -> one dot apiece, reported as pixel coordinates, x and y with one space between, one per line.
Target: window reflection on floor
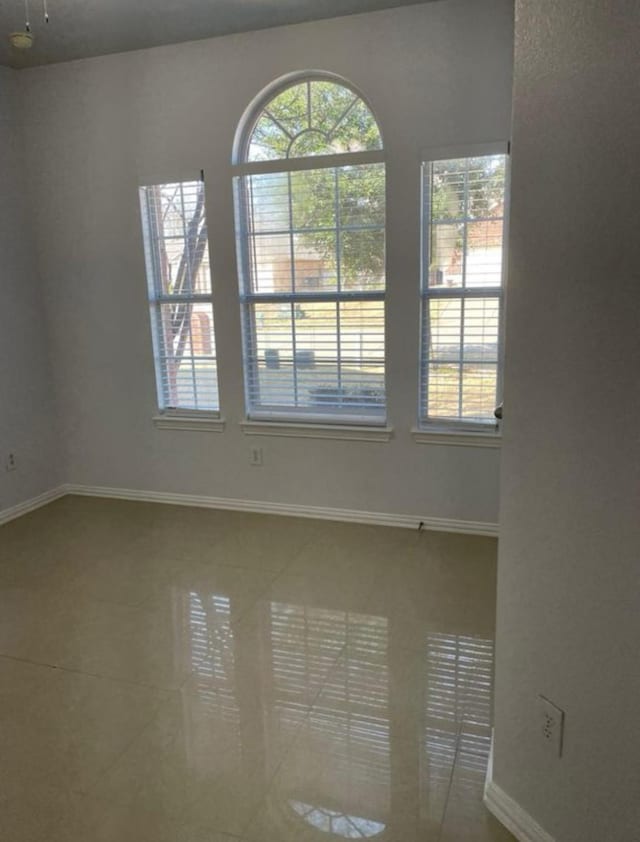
212 715
347 733
340 824
457 686
359 735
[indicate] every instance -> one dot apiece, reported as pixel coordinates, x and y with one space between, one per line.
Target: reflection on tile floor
185 675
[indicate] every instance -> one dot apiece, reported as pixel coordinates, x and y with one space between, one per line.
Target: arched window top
311 116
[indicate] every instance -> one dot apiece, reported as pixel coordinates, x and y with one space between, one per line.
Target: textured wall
569 578
436 74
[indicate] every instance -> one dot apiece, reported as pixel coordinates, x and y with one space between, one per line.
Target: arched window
310 211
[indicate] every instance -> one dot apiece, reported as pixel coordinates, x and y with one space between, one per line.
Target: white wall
568 571
436 74
27 412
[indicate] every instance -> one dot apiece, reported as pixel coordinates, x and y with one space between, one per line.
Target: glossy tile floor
182 675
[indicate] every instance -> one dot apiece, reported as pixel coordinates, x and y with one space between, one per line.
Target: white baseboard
510 813
290 509
30 505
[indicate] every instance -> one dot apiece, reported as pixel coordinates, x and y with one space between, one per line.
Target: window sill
201 423
461 438
340 432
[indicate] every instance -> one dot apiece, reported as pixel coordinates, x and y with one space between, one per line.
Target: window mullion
200 298
338 220
312 297
294 353
311 162
339 347
464 286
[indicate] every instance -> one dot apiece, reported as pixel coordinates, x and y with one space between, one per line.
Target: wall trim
341 432
509 813
456 438
33 503
191 423
288 509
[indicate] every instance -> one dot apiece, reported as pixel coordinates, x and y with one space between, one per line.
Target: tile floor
182 675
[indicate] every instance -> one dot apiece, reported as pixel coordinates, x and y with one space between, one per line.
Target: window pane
480 353
362 195
362 260
319 356
291 109
467 188
362 353
329 103
465 216
271 268
176 238
318 117
443 332
187 356
485 179
444 391
462 349
271 380
268 202
481 330
478 392
447 190
313 199
316 353
268 141
446 246
484 253
177 259
357 131
315 262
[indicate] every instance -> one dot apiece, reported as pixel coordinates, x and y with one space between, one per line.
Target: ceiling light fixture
23 40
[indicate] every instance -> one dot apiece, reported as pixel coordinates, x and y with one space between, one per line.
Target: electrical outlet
255 456
10 463
551 725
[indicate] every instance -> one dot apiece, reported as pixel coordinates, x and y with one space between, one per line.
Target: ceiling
83 28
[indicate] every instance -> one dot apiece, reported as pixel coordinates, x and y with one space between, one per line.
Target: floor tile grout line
77 671
450 784
100 777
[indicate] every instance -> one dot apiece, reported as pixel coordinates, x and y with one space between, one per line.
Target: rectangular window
179 279
312 252
462 289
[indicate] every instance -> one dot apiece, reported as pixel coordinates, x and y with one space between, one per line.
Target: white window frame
292 416
169 417
459 431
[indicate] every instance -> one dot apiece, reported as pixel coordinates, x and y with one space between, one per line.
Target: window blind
462 289
180 296
310 201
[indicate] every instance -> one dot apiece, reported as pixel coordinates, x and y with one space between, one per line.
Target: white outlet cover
551 725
